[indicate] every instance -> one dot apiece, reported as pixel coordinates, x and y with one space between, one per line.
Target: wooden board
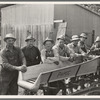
34 71
51 72
59 74
89 67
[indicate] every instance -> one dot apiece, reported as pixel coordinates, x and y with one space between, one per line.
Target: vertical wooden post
93 35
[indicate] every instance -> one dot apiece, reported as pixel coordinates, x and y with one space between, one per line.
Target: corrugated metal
19 19
79 19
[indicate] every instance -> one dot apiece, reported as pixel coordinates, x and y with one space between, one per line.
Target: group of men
15 59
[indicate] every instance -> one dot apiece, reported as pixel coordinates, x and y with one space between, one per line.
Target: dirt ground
40 92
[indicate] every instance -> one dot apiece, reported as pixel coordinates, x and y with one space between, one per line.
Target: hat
9 35
30 38
62 37
83 35
48 39
75 38
97 39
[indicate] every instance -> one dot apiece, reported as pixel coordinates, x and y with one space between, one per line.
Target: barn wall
79 19
22 20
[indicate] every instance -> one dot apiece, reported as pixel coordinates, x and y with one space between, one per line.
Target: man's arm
10 67
43 57
5 62
22 57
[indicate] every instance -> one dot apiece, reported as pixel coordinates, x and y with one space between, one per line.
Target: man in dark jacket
32 55
13 60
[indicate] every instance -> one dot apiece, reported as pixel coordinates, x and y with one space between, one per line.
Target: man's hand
22 68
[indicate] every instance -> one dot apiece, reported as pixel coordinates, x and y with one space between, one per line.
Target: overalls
57 84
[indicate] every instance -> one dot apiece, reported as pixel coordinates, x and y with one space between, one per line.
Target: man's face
75 42
48 45
30 43
83 39
10 42
61 42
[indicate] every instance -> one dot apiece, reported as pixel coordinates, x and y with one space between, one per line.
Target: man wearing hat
50 55
62 49
95 50
81 43
31 53
74 49
84 48
76 53
13 60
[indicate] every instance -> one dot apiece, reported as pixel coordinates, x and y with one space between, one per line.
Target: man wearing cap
74 49
50 55
95 50
31 53
62 49
13 60
81 43
76 53
84 48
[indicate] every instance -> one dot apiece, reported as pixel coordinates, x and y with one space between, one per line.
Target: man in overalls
50 55
84 48
95 50
77 54
81 43
13 60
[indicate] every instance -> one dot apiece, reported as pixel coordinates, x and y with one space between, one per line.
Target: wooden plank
34 71
51 72
61 29
61 73
89 66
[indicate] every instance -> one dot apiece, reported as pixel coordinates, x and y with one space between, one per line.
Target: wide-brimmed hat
83 35
30 38
47 39
9 35
75 38
97 39
62 37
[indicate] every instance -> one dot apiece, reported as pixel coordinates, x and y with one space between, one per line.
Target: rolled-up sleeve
56 55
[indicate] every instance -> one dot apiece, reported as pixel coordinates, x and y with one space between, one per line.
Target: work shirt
95 49
82 46
64 51
32 55
11 59
75 49
52 53
8 74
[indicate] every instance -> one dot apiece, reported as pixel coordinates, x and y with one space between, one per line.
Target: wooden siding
22 20
78 19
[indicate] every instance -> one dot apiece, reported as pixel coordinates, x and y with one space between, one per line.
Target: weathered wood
51 72
89 67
